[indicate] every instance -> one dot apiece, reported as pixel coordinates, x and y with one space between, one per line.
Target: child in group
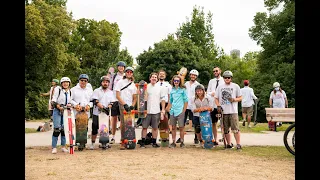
200 102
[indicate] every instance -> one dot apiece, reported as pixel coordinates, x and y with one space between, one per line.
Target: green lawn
31 130
260 127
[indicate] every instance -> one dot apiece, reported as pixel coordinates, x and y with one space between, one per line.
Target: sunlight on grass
30 130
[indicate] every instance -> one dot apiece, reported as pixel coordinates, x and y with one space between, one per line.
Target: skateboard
182 73
128 130
142 87
223 139
104 128
206 129
255 111
81 128
164 131
69 128
110 75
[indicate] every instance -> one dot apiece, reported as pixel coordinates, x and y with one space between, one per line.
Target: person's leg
173 122
145 125
115 112
94 132
250 113
235 128
56 129
121 109
181 128
226 127
155 119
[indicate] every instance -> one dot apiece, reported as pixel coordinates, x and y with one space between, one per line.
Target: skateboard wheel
125 141
134 140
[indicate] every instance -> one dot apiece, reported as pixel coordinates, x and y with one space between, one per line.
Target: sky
145 22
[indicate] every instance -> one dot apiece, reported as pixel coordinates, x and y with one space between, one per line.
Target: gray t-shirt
278 99
225 91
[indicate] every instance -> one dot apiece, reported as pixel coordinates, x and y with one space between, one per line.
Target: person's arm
118 96
45 94
285 99
210 90
169 103
253 95
134 97
270 99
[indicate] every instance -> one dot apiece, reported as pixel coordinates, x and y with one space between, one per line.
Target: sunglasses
83 80
129 72
226 77
216 71
176 80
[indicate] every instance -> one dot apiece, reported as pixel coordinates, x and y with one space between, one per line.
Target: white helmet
276 84
227 74
65 79
195 72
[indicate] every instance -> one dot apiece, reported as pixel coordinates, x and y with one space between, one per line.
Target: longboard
104 128
255 111
69 128
206 129
182 73
142 87
164 131
128 130
81 129
110 75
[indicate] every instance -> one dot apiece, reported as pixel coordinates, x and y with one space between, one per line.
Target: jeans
58 126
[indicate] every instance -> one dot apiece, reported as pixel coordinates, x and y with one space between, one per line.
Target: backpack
148 139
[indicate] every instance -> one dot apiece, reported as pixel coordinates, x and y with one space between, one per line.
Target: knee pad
197 129
56 132
235 131
62 132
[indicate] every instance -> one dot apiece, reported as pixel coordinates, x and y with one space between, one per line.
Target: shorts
248 110
230 120
151 119
196 121
213 115
179 119
95 124
188 112
115 111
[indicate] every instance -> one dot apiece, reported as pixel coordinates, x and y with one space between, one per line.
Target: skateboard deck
81 129
164 131
223 139
128 130
69 128
104 128
110 75
206 129
142 87
182 73
255 111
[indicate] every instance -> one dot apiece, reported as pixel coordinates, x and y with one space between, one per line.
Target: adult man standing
227 97
190 88
212 86
247 102
155 95
115 112
126 92
54 84
81 95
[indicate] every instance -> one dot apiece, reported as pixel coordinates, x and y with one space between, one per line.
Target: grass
31 130
260 127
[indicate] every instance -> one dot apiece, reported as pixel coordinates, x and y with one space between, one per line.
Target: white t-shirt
117 77
190 89
225 91
104 97
247 96
278 99
81 96
155 94
127 93
212 87
167 88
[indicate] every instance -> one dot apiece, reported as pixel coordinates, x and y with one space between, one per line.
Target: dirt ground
150 163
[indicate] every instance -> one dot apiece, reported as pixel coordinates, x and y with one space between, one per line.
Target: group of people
181 103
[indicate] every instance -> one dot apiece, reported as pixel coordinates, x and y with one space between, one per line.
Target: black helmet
199 86
121 63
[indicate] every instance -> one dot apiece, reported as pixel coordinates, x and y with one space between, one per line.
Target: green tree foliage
276 62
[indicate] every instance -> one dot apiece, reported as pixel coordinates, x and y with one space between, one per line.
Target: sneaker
229 146
122 146
64 149
178 141
173 145
54 151
249 126
239 147
142 146
155 145
244 123
91 147
182 145
112 141
255 123
196 141
215 143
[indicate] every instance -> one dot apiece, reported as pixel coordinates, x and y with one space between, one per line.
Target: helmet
246 82
129 68
195 72
83 76
276 84
104 78
121 63
55 80
199 86
227 74
65 79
